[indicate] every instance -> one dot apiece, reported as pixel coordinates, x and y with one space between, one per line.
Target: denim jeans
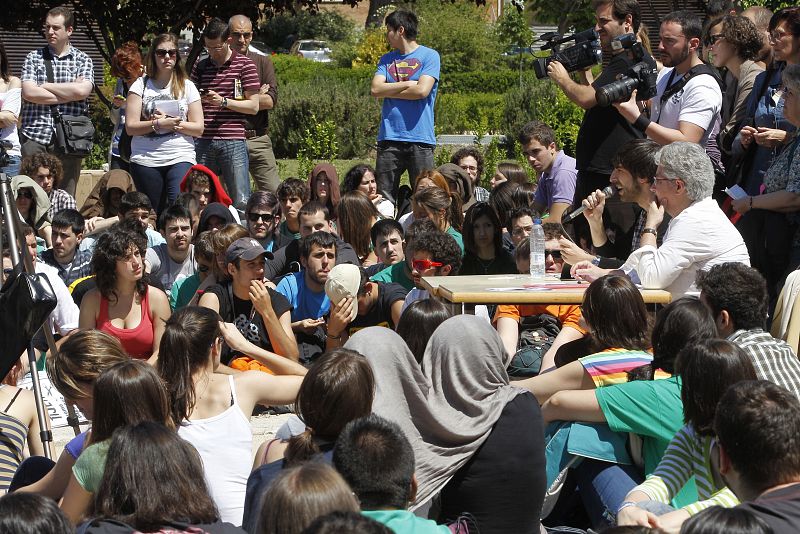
12 169
603 487
393 158
160 184
228 159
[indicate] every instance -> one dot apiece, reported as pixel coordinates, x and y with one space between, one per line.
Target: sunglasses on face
161 52
555 253
424 265
255 217
26 193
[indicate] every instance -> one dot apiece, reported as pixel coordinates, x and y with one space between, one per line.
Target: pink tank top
137 342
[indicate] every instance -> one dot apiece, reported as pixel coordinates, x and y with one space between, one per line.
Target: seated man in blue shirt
305 291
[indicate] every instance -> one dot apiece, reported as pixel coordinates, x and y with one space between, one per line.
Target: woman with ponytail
213 410
338 388
444 209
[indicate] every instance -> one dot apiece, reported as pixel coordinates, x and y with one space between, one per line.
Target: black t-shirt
234 310
603 129
779 508
503 263
381 312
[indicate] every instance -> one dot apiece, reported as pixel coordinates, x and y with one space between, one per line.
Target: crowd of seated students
518 419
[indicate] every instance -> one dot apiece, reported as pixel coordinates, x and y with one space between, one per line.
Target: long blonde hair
179 77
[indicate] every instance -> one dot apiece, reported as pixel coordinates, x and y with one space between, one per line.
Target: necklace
485 264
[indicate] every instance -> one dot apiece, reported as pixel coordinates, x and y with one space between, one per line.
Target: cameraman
603 130
689 100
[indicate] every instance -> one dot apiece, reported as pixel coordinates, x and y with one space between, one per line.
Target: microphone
608 192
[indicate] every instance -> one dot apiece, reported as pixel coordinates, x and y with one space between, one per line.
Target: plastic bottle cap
537 221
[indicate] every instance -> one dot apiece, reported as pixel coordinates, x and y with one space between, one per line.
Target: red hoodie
219 194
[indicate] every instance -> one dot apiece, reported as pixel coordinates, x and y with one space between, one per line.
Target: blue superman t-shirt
409 120
306 304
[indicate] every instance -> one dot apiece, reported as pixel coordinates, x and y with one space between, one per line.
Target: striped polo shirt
238 73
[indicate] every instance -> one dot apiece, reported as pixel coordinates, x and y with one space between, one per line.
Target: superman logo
403 69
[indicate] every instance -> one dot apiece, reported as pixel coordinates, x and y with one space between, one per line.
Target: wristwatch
650 231
224 102
596 261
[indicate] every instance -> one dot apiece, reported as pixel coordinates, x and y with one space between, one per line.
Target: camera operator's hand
557 73
630 109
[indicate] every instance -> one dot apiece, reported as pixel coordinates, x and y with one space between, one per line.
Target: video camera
642 76
584 53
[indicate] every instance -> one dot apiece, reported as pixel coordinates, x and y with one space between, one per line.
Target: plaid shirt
773 359
481 194
80 267
37 122
637 229
60 200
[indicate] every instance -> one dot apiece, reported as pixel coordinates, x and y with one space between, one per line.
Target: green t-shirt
457 236
653 410
182 291
405 522
89 466
395 274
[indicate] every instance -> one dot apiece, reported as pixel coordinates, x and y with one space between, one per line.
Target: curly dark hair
442 247
738 289
741 33
462 153
30 164
112 246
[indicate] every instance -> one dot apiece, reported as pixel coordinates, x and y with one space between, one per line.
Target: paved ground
264 428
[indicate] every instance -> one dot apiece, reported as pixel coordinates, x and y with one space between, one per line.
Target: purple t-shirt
75 445
557 184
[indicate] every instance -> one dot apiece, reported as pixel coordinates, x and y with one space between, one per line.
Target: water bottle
537 250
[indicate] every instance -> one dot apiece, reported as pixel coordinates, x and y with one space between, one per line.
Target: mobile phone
203 91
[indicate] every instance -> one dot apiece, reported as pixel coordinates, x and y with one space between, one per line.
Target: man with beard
688 99
305 291
173 260
634 169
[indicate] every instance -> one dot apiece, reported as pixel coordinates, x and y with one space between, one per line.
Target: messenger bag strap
48 65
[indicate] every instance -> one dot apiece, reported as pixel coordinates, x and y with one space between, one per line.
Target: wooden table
518 289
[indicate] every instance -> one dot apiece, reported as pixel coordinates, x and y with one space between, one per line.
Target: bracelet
649 231
751 202
154 125
335 337
641 123
626 504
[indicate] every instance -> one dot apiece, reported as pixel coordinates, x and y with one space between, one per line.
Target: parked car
311 49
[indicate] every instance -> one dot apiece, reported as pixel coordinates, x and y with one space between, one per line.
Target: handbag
25 302
74 134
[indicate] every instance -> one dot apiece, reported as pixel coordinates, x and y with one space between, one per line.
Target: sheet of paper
170 108
513 289
736 192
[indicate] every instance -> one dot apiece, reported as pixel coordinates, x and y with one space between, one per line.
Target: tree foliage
328 25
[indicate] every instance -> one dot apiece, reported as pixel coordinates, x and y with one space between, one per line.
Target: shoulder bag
74 134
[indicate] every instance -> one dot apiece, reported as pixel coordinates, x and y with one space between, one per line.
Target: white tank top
225 444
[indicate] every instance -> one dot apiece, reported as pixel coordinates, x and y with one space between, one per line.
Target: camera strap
673 89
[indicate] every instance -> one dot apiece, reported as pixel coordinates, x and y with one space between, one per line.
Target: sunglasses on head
266 217
26 193
424 265
161 52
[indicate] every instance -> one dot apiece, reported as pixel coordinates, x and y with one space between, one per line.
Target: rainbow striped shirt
611 366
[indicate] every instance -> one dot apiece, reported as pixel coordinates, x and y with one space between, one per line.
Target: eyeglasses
555 253
712 39
424 265
655 181
161 52
266 217
239 35
25 193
